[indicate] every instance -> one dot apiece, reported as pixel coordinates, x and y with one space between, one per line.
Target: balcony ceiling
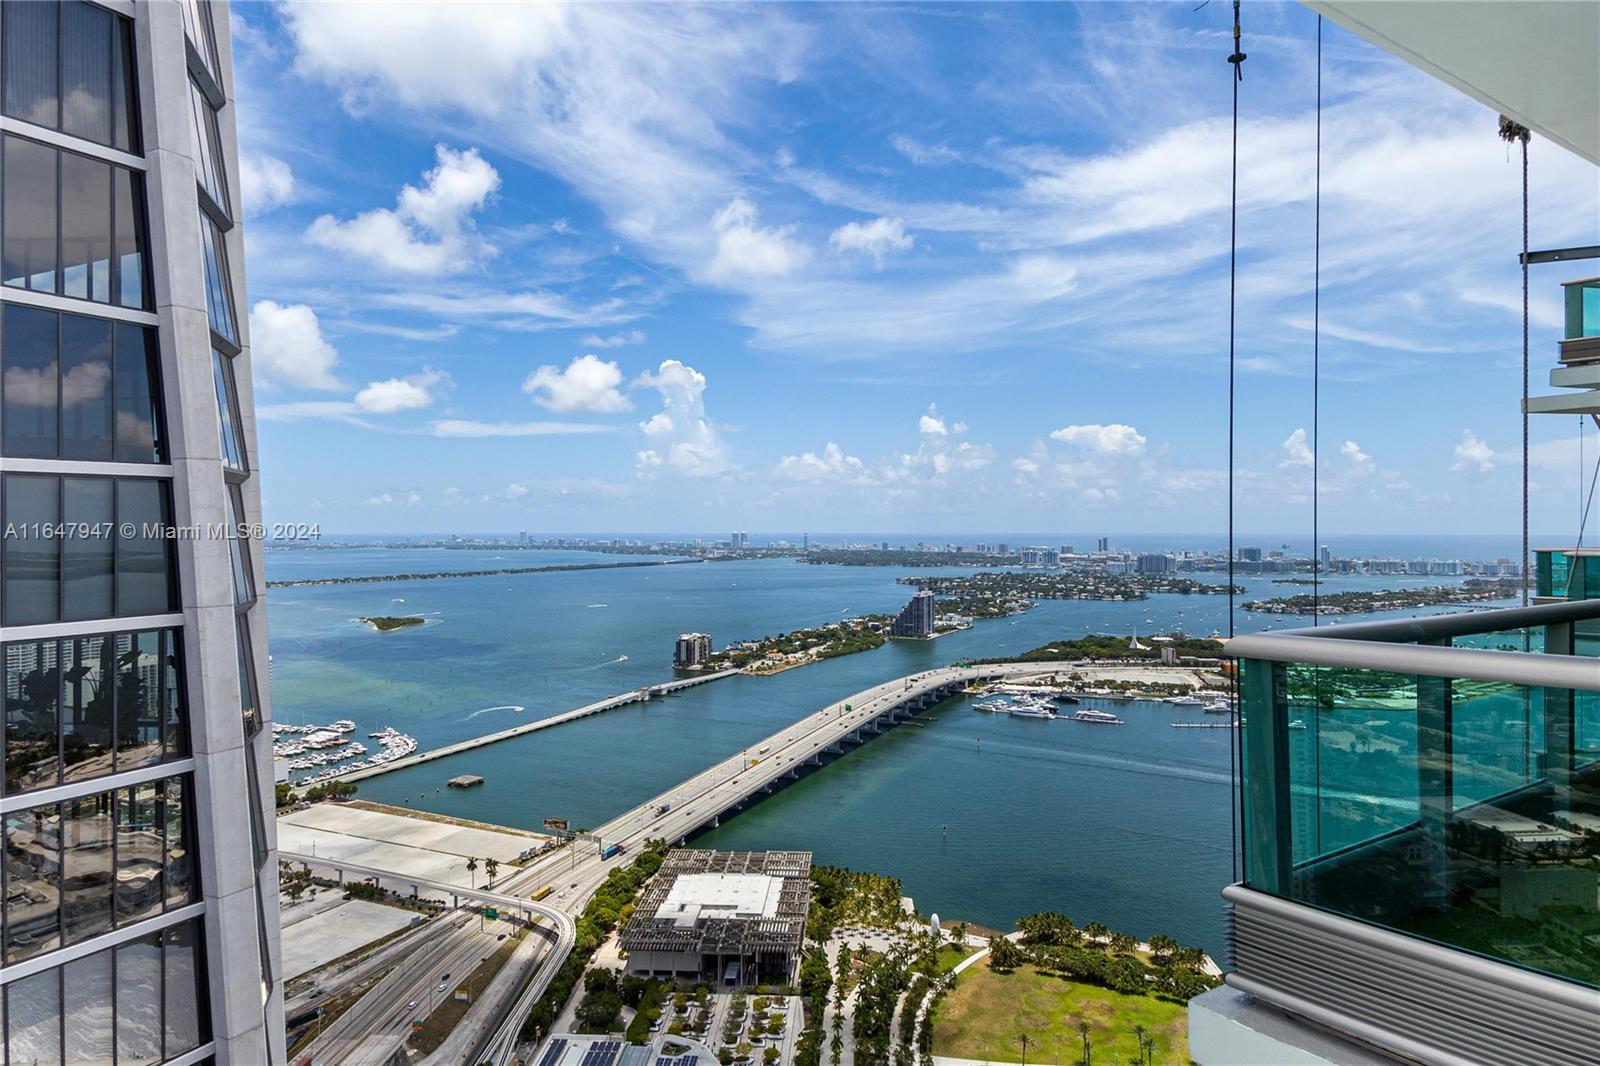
1537 61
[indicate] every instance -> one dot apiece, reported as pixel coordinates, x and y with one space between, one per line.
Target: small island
383 623
1473 590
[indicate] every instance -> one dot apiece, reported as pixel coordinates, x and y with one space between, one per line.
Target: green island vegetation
1473 590
1083 995
1102 647
611 905
364 579
284 793
771 654
996 594
383 623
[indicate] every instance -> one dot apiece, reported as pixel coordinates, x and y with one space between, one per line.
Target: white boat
1298 723
1186 701
1089 714
1030 711
1217 707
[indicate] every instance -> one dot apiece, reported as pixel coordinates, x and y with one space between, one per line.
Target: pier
610 703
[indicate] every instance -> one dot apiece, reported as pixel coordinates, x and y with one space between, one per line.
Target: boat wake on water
517 707
601 666
597 605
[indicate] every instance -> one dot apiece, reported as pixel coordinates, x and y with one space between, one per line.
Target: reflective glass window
33 882
33 1018
30 214
86 371
181 963
87 708
139 685
32 62
129 238
208 148
28 385
88 510
32 550
68 66
180 862
88 43
175 729
33 698
247 683
227 410
86 873
85 228
140 854
139 425
219 294
239 550
143 562
86 986
139 1001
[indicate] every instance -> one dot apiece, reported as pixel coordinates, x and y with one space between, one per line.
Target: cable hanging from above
1513 132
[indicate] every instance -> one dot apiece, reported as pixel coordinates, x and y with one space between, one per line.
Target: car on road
442 985
412 1005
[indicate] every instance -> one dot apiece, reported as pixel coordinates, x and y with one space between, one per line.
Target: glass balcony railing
1583 308
1437 778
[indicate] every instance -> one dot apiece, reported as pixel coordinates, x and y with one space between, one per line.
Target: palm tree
1024 1039
1139 1035
472 867
490 868
1083 1034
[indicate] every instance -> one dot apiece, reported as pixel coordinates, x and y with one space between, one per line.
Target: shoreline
316 582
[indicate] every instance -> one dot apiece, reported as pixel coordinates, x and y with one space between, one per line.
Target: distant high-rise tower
692 650
805 541
1103 544
141 903
915 618
1324 556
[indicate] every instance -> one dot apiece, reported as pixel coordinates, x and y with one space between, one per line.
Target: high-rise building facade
915 618
139 921
692 650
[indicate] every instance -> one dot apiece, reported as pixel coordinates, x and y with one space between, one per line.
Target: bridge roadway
700 802
610 703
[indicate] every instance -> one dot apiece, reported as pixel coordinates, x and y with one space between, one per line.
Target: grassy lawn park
983 1015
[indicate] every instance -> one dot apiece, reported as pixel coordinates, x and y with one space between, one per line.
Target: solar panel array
553 1053
678 1060
605 1053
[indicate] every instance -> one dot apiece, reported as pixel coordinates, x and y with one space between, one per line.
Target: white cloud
745 249
461 427
1473 454
430 230
924 155
387 499
287 347
616 340
394 395
876 239
1112 439
587 384
1295 450
265 181
931 425
681 436
1352 451
832 465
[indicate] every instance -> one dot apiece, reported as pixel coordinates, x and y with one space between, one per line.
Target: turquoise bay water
982 817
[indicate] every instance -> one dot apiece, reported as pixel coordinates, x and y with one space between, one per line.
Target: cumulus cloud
265 181
616 340
1352 451
287 347
1295 450
431 229
745 249
587 384
877 239
393 395
1113 439
387 499
832 465
931 425
681 437
1473 454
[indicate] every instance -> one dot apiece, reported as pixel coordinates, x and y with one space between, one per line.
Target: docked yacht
1089 714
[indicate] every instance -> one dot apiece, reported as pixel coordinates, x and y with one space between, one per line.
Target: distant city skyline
961 269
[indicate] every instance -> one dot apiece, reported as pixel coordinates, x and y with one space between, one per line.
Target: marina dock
610 703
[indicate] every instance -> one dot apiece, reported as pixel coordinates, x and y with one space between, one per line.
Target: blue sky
902 268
